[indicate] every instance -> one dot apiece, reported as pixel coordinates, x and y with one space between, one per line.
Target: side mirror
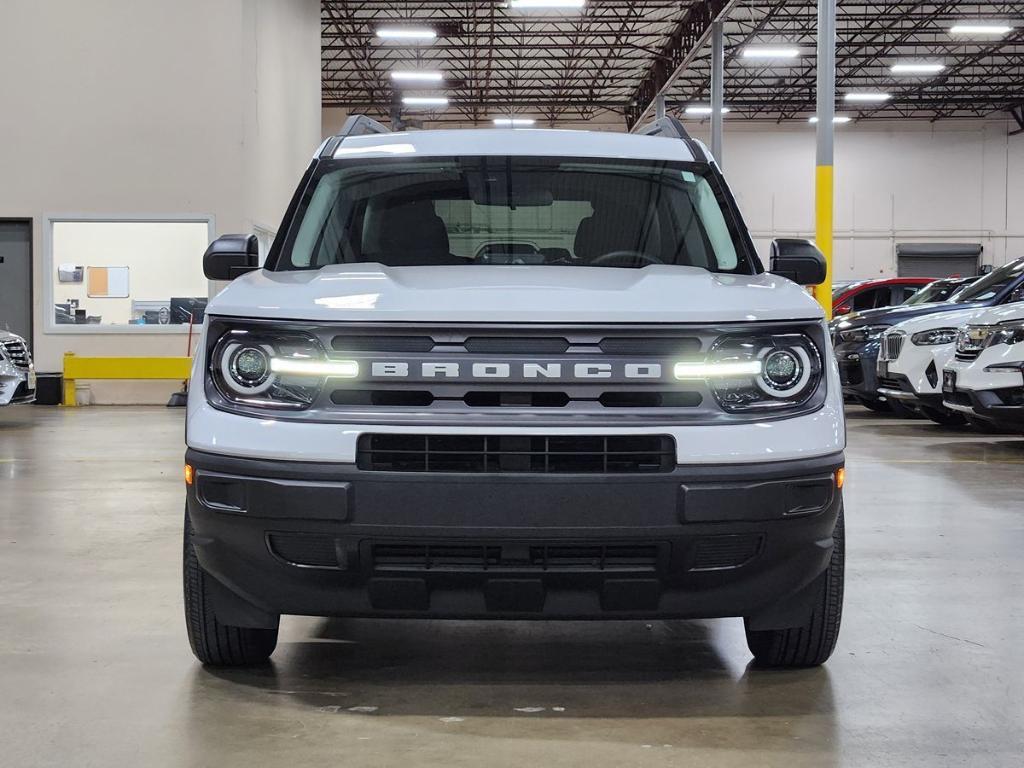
845 309
798 260
1016 295
230 256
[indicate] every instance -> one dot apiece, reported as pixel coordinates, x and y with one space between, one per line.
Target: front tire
212 642
811 643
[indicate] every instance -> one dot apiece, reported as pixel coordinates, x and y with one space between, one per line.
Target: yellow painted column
824 197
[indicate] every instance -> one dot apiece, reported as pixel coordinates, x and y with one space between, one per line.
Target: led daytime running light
343 369
717 370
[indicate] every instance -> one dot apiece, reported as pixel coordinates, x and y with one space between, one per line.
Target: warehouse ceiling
611 59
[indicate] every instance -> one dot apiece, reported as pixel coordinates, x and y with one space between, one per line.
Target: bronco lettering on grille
477 371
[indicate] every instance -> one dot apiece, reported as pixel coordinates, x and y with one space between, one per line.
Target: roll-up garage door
937 259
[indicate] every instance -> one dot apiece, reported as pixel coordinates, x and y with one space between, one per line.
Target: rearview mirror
798 260
230 256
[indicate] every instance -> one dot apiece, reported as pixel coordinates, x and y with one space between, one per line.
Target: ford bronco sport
397 417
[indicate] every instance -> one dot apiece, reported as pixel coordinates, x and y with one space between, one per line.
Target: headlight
273 370
863 333
1007 333
934 336
749 373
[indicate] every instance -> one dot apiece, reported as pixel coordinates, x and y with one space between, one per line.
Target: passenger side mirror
845 309
1017 294
798 260
230 256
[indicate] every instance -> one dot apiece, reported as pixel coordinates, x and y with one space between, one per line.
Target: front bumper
325 539
857 369
997 395
17 385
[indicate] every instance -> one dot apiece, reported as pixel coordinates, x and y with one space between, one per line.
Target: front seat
607 229
412 234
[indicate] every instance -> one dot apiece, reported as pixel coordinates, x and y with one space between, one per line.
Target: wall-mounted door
16 277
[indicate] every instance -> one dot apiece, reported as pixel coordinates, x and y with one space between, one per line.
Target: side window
871 298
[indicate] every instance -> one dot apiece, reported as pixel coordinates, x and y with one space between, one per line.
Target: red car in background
872 294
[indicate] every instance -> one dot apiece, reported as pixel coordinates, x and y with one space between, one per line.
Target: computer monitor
185 310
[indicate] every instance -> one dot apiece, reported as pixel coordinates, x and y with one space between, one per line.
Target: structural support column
659 107
824 186
717 88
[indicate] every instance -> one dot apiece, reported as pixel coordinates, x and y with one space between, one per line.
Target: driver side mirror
231 256
844 310
1017 294
798 260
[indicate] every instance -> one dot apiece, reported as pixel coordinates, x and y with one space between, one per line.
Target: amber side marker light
840 477
188 474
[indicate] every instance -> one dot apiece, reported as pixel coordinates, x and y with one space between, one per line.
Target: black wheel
812 643
878 406
212 642
944 417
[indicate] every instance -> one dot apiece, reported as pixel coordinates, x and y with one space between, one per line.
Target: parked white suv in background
911 357
634 421
986 377
17 374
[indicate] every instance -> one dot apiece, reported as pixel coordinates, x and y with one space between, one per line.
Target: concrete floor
95 668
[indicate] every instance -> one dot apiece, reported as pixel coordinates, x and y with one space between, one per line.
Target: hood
514 294
935 320
1007 313
900 313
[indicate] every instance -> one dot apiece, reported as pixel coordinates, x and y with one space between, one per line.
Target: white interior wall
117 107
906 181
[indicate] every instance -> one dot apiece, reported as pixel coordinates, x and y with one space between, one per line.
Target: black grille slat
664 347
516 453
501 345
382 343
515 556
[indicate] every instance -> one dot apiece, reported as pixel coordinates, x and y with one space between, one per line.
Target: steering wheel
625 258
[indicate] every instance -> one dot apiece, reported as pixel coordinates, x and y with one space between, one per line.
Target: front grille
514 556
891 346
890 382
17 352
516 453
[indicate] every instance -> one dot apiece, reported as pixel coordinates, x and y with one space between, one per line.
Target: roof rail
670 127
355 125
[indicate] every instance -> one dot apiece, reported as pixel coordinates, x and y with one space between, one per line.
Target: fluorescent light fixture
406 33
868 98
519 5
699 109
717 370
343 369
387 149
425 101
916 68
994 28
770 52
514 122
416 76
837 120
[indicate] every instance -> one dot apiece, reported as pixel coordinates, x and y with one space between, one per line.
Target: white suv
911 357
986 378
635 420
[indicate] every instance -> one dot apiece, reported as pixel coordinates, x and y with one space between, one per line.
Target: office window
127 275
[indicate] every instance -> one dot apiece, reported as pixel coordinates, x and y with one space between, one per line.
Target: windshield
940 290
515 210
994 283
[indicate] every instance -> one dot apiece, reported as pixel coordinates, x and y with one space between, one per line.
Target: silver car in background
17 374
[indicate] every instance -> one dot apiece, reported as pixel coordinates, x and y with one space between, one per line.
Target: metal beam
824 186
717 88
685 41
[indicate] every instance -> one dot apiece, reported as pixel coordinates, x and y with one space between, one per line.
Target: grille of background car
17 352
